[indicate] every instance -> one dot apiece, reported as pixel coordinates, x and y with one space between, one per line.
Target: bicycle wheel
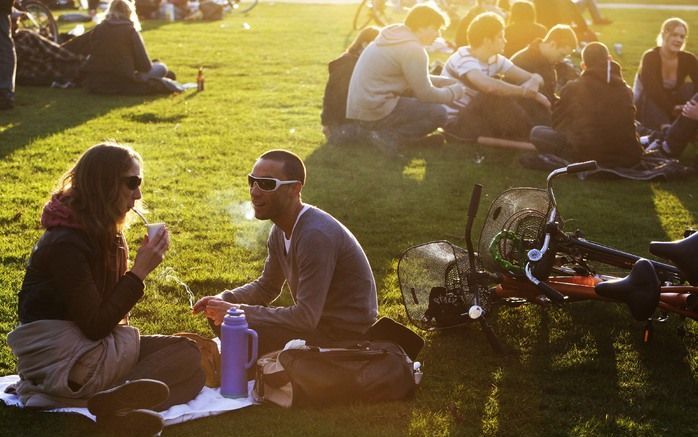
38 18
363 17
380 12
242 6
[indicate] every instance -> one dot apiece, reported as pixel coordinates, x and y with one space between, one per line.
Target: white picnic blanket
208 403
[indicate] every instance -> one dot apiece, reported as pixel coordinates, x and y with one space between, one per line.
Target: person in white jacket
391 92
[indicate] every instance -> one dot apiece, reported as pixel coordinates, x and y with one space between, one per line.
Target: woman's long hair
93 189
124 10
668 26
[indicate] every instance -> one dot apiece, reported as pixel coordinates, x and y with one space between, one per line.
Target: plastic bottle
235 339
200 79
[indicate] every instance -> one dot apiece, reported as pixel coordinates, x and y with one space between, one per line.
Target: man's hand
532 85
540 98
213 307
690 110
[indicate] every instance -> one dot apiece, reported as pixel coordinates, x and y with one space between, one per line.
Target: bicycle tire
242 6
43 22
363 17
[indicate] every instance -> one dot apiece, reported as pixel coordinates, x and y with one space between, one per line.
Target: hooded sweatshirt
394 64
597 116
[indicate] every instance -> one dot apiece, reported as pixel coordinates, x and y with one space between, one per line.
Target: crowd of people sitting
511 77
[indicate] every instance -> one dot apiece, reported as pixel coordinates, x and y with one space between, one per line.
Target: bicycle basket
433 283
514 224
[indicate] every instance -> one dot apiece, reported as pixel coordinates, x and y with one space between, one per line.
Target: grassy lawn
581 370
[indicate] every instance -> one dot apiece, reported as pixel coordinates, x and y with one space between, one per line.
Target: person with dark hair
335 126
118 62
543 56
318 258
492 107
391 92
522 27
8 61
74 346
660 88
595 116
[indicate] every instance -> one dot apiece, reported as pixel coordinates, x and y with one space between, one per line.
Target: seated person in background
680 133
74 347
322 263
595 116
522 27
118 62
552 12
492 107
660 85
543 56
41 62
335 126
391 92
480 7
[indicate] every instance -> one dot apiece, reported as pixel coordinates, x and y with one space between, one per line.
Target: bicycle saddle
639 290
683 253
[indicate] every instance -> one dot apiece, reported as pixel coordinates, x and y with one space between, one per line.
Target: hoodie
394 64
596 115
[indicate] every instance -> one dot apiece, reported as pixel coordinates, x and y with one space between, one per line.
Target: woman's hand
151 253
690 110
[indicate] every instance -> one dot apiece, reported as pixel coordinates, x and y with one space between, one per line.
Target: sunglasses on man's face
132 182
267 184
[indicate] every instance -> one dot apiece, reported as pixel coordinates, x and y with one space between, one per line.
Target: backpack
369 371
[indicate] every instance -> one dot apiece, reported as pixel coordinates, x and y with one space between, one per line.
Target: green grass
581 370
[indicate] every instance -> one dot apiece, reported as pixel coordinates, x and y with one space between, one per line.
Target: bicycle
242 6
525 256
37 17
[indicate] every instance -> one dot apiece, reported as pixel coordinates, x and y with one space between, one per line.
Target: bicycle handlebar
579 167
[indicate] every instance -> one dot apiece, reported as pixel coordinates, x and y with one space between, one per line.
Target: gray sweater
327 272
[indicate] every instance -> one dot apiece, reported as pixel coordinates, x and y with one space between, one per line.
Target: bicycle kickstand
491 336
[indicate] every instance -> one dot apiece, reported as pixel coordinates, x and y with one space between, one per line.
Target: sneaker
659 147
131 423
139 393
384 143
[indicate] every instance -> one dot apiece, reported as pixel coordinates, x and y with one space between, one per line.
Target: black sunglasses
267 184
132 182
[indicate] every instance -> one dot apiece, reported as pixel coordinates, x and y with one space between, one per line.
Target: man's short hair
424 15
562 35
294 168
595 54
485 25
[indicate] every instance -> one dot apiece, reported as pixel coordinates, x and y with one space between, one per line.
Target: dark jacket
116 53
6 6
650 74
597 118
533 61
334 103
520 35
66 280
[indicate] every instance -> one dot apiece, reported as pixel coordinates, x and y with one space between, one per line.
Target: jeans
682 132
410 121
650 114
8 60
176 361
592 6
548 140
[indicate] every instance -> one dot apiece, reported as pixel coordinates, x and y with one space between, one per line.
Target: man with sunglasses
326 269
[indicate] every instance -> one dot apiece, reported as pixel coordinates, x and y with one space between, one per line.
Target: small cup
618 48
153 229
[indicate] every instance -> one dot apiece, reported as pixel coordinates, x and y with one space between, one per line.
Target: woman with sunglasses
74 346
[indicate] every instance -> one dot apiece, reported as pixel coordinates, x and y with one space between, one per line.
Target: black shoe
139 393
603 21
385 143
171 75
131 423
